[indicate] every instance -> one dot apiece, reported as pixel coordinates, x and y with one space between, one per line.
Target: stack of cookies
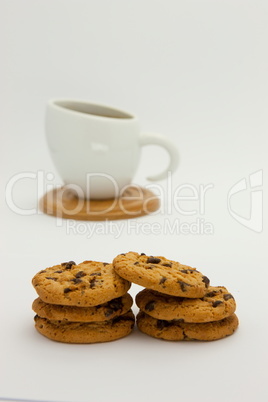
178 302
82 303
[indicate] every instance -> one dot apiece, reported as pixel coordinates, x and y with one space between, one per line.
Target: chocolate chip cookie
86 332
215 305
179 331
102 312
158 273
87 284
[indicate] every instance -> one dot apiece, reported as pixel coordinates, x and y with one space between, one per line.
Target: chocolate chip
150 306
187 271
109 312
63 264
143 254
52 279
80 274
116 304
153 260
92 283
216 303
41 272
68 265
227 296
76 280
67 290
211 294
162 280
95 274
136 263
167 264
122 254
161 324
206 281
58 272
183 285
105 263
122 318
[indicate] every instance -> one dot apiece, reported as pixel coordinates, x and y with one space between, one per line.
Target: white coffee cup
96 148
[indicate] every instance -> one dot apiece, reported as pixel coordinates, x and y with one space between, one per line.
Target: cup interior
93 109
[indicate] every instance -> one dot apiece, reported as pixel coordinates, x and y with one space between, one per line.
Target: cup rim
125 116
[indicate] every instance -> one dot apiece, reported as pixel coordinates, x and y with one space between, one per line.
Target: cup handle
161 140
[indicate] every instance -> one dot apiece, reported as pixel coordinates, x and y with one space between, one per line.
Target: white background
195 71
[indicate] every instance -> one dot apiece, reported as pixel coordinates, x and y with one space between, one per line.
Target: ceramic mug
97 147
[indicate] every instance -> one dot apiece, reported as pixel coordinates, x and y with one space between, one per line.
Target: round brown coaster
64 203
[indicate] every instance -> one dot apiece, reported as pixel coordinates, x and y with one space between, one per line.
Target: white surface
195 71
